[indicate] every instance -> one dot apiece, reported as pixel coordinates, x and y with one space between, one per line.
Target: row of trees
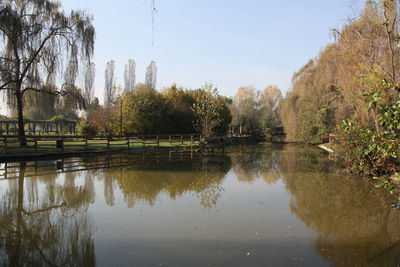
144 110
38 106
112 91
353 80
173 110
256 111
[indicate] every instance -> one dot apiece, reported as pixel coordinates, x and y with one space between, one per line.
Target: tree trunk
15 255
21 129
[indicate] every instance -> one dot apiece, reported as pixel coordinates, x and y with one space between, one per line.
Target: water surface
252 206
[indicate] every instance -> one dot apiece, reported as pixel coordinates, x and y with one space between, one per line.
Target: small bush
85 128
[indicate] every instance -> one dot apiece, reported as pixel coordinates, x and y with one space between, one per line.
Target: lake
261 205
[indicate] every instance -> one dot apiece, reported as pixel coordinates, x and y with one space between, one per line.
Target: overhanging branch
4 86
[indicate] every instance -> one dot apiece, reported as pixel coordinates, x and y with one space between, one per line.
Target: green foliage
390 183
206 108
224 114
86 128
374 151
144 111
387 183
102 118
181 114
312 121
60 119
39 106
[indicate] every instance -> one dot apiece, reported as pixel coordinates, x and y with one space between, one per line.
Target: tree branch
34 56
44 210
2 87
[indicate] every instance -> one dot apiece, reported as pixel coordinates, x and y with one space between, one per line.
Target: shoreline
327 149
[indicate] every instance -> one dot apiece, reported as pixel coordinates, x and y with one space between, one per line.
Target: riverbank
388 182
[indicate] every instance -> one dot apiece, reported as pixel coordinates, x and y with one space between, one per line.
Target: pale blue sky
229 42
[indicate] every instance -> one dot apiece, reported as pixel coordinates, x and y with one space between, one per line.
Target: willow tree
37 37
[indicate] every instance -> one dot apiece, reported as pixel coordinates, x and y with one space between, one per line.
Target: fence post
128 141
182 139
86 142
158 140
143 141
108 142
191 139
36 144
170 140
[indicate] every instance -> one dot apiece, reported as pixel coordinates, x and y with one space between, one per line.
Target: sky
230 43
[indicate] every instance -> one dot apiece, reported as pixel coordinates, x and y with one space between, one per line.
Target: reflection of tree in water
109 183
51 229
208 176
355 222
145 179
253 162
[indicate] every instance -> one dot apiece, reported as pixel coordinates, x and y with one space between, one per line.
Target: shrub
374 151
86 128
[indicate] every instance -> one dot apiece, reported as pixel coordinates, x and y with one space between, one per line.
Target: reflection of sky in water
249 219
273 207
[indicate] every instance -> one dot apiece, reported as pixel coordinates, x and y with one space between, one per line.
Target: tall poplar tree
130 75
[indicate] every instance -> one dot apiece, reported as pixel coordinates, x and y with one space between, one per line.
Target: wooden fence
10 143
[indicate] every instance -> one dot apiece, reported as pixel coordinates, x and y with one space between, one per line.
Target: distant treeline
145 110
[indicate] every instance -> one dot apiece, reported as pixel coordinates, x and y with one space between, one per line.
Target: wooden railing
10 143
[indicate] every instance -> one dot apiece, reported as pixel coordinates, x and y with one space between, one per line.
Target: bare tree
36 37
271 96
390 12
109 85
90 74
129 75
245 109
151 74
